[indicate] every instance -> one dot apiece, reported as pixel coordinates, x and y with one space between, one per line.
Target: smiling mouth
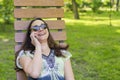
41 34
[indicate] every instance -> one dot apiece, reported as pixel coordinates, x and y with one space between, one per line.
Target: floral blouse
52 66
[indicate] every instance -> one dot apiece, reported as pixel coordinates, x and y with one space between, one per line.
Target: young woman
40 57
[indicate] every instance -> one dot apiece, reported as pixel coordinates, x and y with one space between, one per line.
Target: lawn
94 44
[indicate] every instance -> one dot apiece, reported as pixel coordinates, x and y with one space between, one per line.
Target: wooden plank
39 12
38 3
18 46
21 75
52 24
19 37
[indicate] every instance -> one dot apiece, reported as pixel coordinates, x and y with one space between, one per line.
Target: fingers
34 38
33 35
36 35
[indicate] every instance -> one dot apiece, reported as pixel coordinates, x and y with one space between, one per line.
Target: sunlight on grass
71 20
94 17
1 20
116 23
118 31
94 22
4 39
117 47
88 22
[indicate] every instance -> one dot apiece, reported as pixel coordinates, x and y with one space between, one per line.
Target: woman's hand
34 39
33 66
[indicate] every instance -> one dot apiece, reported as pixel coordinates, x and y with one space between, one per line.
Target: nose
40 29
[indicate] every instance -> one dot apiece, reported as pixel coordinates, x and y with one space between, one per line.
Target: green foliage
1 8
7 11
107 4
68 6
79 3
95 5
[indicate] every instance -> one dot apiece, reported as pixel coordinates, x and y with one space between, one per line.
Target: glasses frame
37 27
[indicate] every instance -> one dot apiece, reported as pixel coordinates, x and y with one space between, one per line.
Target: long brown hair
27 45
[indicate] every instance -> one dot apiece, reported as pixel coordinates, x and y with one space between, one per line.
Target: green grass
7 53
95 47
94 44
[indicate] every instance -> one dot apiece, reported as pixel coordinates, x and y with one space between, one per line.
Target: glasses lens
43 26
36 28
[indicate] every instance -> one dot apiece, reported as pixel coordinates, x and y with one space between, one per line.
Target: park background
93 33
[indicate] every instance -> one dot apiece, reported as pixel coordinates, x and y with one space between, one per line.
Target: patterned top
52 66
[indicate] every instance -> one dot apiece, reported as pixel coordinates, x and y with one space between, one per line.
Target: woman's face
40 30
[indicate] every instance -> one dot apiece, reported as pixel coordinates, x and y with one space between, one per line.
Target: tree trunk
75 9
117 5
112 1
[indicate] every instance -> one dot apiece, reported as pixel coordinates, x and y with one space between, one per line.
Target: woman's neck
45 48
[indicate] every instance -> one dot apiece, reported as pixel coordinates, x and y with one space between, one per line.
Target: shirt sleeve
67 54
22 53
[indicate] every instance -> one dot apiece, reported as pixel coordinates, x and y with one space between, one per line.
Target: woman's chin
42 39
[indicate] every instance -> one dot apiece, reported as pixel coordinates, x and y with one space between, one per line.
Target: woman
40 57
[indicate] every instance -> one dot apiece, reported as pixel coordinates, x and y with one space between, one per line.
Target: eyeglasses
36 27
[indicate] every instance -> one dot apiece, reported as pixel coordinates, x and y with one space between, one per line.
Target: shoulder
25 53
66 53
21 54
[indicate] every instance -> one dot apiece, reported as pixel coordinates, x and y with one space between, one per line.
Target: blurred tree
68 6
72 5
75 9
112 2
96 4
117 5
7 10
0 9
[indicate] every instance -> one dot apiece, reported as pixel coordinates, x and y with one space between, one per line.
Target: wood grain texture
38 3
39 12
52 24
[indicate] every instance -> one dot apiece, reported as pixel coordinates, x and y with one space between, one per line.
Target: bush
68 6
96 4
7 11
